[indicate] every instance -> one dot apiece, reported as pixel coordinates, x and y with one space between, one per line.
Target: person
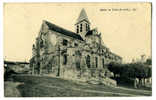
136 81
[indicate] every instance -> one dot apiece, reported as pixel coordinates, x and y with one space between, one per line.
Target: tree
149 72
115 68
149 61
142 72
131 71
128 71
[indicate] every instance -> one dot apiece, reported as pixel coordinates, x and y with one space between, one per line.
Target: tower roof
82 16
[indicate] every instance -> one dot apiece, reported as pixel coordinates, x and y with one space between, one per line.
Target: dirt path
133 89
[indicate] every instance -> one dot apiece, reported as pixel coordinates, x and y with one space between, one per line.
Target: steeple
82 16
82 23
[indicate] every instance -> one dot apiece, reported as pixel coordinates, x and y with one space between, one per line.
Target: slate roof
63 31
82 16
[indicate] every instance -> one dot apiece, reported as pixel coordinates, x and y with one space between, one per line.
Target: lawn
37 86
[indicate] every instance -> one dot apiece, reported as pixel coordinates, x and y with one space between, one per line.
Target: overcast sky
126 33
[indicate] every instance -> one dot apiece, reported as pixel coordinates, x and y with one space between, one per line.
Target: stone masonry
72 55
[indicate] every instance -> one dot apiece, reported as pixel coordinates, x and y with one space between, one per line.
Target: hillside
43 86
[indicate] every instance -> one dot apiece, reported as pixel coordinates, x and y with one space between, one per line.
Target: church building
63 53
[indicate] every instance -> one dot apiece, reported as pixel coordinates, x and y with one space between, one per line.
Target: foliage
115 68
127 71
149 61
149 72
132 70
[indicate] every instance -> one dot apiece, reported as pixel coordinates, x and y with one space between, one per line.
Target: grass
36 86
10 89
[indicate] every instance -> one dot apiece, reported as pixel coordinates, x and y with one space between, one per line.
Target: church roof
82 16
63 31
89 33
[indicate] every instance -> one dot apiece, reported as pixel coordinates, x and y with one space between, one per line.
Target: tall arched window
65 59
86 27
77 28
103 62
96 61
80 27
88 61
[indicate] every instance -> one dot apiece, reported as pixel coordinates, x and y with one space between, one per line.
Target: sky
125 27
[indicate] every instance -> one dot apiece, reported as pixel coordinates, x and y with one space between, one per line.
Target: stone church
80 54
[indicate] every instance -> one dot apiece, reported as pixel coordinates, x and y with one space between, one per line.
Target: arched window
86 27
41 44
78 65
80 27
75 44
96 61
65 42
88 61
77 28
65 59
103 62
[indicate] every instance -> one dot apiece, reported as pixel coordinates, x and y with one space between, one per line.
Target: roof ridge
63 30
59 26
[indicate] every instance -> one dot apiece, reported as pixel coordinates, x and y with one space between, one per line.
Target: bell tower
82 24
